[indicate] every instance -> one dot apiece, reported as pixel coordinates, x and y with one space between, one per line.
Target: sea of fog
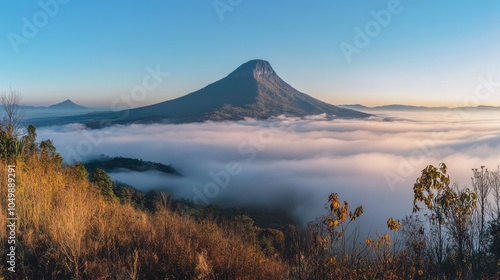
294 164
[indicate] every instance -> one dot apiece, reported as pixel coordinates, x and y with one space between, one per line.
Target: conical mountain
67 105
252 90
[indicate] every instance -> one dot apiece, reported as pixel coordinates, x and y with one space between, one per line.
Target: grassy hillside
69 230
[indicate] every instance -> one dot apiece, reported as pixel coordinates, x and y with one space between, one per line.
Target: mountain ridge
252 90
402 107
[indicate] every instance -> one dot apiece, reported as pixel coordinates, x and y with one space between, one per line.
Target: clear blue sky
431 53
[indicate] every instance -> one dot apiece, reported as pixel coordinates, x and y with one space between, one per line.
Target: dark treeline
108 164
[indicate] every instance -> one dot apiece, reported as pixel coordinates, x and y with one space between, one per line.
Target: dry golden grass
69 231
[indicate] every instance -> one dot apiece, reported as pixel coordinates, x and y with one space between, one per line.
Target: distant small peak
256 67
66 104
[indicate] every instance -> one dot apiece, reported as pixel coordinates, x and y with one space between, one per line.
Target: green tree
78 171
494 238
28 141
102 180
152 200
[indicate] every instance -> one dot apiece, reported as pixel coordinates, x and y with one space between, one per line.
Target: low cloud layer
293 164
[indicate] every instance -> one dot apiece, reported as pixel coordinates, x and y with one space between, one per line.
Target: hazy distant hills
399 107
41 114
253 90
65 105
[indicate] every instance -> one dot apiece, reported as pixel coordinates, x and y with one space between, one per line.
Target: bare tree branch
14 113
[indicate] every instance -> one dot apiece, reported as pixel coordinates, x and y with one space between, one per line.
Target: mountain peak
67 101
255 68
67 104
